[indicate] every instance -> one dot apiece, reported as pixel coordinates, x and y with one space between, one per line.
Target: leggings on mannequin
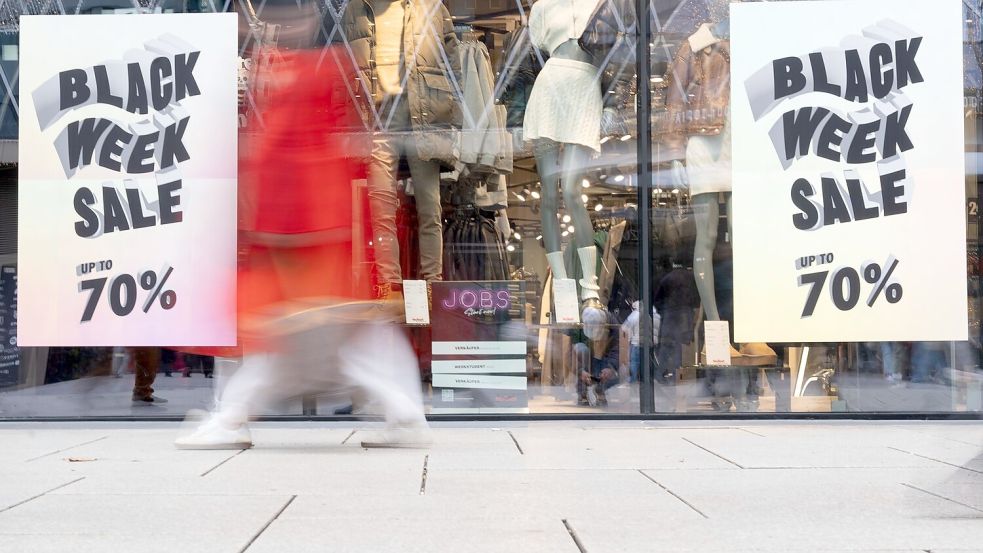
387 148
566 167
706 210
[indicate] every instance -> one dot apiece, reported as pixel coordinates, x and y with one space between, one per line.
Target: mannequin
414 115
562 120
704 61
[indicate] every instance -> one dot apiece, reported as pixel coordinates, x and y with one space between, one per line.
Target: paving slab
763 487
139 522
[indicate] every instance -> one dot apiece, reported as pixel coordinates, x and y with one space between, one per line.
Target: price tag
717 337
566 308
415 302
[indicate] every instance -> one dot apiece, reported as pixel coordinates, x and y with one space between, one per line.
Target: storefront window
540 265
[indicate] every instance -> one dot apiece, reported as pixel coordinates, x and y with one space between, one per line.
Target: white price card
566 308
415 302
717 338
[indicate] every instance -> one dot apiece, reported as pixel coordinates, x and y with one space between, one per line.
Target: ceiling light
626 137
566 218
510 248
517 236
564 233
619 178
571 229
598 207
583 197
534 194
539 237
605 139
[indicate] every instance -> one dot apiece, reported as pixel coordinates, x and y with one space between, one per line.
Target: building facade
584 221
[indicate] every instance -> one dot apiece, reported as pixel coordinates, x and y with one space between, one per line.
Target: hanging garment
473 248
486 146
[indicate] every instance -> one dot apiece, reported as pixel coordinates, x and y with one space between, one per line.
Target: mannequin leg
706 211
426 187
575 159
574 162
382 205
546 164
573 165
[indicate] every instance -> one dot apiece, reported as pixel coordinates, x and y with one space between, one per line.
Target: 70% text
122 292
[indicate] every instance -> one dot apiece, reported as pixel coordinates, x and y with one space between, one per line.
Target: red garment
295 191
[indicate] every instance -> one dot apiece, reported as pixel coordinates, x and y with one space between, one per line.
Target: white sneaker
214 435
408 437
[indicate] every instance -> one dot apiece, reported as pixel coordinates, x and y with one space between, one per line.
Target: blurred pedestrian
306 324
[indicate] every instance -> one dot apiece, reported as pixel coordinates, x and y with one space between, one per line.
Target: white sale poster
127 192
848 171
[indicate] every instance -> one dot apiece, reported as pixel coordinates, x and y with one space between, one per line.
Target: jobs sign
127 180
849 182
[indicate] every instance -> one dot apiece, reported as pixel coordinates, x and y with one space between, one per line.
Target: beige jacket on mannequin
433 72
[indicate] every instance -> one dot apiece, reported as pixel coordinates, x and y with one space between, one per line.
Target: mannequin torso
571 50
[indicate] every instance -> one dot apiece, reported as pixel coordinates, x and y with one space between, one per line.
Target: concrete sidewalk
536 487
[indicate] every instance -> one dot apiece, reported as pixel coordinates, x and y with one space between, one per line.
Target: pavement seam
691 442
65 449
226 460
936 460
938 437
348 437
423 478
268 523
5 509
516 442
751 432
672 493
574 536
933 494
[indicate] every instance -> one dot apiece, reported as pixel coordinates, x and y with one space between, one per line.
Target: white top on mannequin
554 22
389 44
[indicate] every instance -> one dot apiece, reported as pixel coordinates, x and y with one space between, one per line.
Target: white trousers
375 358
